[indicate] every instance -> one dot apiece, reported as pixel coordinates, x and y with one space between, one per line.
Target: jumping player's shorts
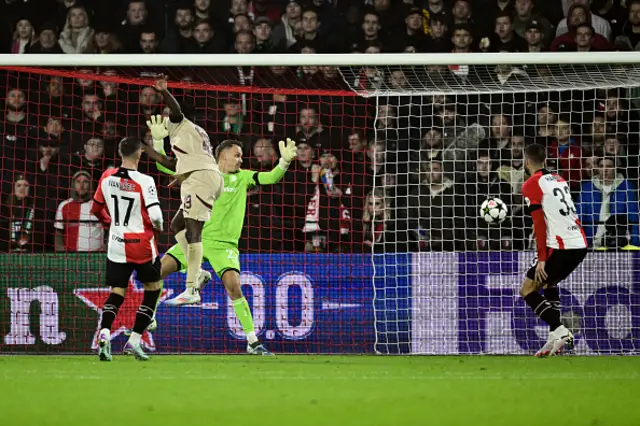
199 190
560 264
118 274
222 256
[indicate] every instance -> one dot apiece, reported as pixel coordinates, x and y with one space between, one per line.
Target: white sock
134 339
251 337
107 332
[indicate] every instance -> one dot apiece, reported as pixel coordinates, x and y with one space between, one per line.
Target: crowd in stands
390 173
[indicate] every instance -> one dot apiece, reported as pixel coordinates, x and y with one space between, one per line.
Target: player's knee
194 231
231 281
529 286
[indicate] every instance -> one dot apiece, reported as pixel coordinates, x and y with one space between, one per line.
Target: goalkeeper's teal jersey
228 212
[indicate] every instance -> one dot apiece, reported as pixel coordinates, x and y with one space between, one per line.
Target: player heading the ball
134 214
201 182
561 245
221 233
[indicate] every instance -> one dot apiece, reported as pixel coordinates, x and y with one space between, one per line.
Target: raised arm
175 115
158 127
288 152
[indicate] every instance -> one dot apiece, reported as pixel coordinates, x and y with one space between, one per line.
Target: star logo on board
95 298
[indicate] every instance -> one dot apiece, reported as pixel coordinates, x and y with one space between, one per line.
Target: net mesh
398 260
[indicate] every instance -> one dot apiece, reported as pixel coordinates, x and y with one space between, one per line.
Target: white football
493 210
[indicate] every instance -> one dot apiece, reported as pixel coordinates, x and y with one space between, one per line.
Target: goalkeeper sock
194 263
110 310
243 312
145 311
542 308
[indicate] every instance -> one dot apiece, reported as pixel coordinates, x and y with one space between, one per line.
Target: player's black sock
542 308
552 294
145 311
110 310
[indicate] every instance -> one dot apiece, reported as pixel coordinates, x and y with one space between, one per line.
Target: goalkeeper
221 233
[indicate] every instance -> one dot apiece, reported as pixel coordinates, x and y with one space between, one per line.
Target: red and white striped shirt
555 221
132 201
82 231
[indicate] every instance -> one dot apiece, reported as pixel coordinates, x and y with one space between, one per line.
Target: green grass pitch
319 390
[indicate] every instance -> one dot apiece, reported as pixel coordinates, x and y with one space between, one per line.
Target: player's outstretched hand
540 274
288 150
158 126
161 83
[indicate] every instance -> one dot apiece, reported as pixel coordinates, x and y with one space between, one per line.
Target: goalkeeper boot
136 351
563 339
546 349
258 348
191 296
104 346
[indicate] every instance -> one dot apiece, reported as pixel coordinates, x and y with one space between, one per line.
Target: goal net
372 243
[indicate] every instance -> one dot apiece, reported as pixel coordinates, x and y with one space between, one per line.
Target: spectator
91 161
600 25
310 33
380 228
242 22
262 32
546 121
205 40
512 168
414 29
15 125
310 130
629 36
438 40
481 185
77 230
328 220
436 201
578 15
525 14
77 35
47 41
132 26
608 208
534 37
180 34
461 38
18 215
23 36
505 38
106 41
287 31
148 41
593 139
566 151
245 42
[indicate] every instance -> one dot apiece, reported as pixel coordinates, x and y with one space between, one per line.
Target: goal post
381 248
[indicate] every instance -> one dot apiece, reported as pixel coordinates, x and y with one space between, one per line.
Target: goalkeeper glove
158 127
288 152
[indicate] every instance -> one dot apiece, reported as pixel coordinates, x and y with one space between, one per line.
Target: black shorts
118 274
560 264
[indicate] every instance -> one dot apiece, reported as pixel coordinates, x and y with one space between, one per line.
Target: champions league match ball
493 210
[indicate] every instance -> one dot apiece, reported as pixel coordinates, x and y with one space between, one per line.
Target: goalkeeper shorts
220 255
